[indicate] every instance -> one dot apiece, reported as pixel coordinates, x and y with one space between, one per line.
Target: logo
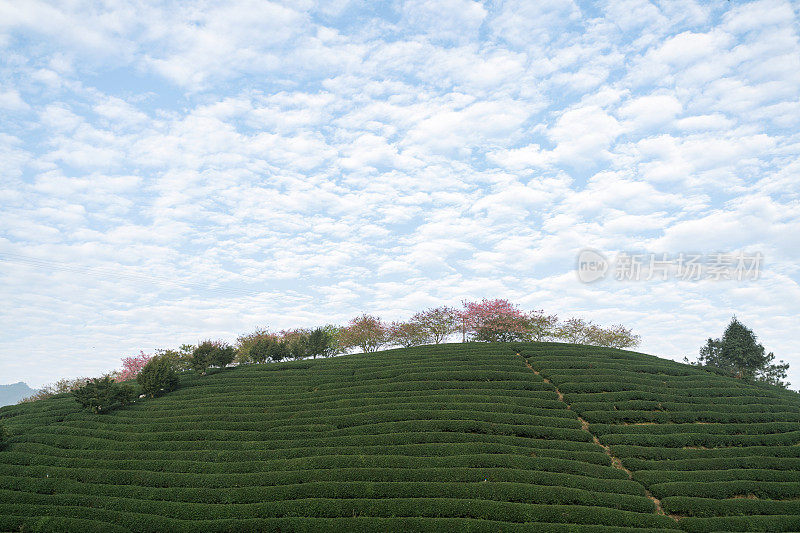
592 266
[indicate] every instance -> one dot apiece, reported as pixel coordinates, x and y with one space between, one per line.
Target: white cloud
119 112
757 16
12 101
650 111
583 135
455 131
449 20
521 158
261 163
703 158
525 23
715 121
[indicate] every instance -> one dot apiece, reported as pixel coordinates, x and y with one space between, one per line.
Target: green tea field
454 437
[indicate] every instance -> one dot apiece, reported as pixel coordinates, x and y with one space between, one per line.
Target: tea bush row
704 507
146 523
671 454
302 402
108 430
685 417
721 463
531 406
655 477
39 504
172 463
761 428
344 455
662 405
701 439
773 490
544 464
246 494
75 438
618 386
200 477
253 450
76 445
664 396
741 523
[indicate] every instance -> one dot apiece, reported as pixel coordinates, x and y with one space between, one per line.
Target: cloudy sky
175 172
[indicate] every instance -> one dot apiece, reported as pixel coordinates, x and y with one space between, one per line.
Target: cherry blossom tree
366 332
251 348
296 341
408 334
617 336
576 330
131 366
541 327
438 322
581 331
495 320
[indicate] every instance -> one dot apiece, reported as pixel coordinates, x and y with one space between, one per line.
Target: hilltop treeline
482 321
487 320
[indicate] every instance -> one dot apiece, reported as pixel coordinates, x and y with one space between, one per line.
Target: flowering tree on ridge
366 332
131 366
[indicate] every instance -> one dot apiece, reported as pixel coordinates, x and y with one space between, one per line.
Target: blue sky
175 172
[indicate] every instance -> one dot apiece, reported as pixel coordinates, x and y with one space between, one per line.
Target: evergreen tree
739 353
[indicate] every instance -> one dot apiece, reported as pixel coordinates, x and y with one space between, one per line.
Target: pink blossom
495 320
131 366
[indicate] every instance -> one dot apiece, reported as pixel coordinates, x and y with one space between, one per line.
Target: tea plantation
457 437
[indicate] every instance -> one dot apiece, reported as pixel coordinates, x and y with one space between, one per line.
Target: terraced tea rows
718 453
450 437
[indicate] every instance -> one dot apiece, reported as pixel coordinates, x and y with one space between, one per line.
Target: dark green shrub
212 353
322 342
246 343
298 347
742 523
180 359
157 375
202 356
104 394
223 355
259 350
278 351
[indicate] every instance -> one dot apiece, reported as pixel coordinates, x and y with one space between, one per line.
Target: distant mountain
11 394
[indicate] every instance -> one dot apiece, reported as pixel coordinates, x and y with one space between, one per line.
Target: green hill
478 437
